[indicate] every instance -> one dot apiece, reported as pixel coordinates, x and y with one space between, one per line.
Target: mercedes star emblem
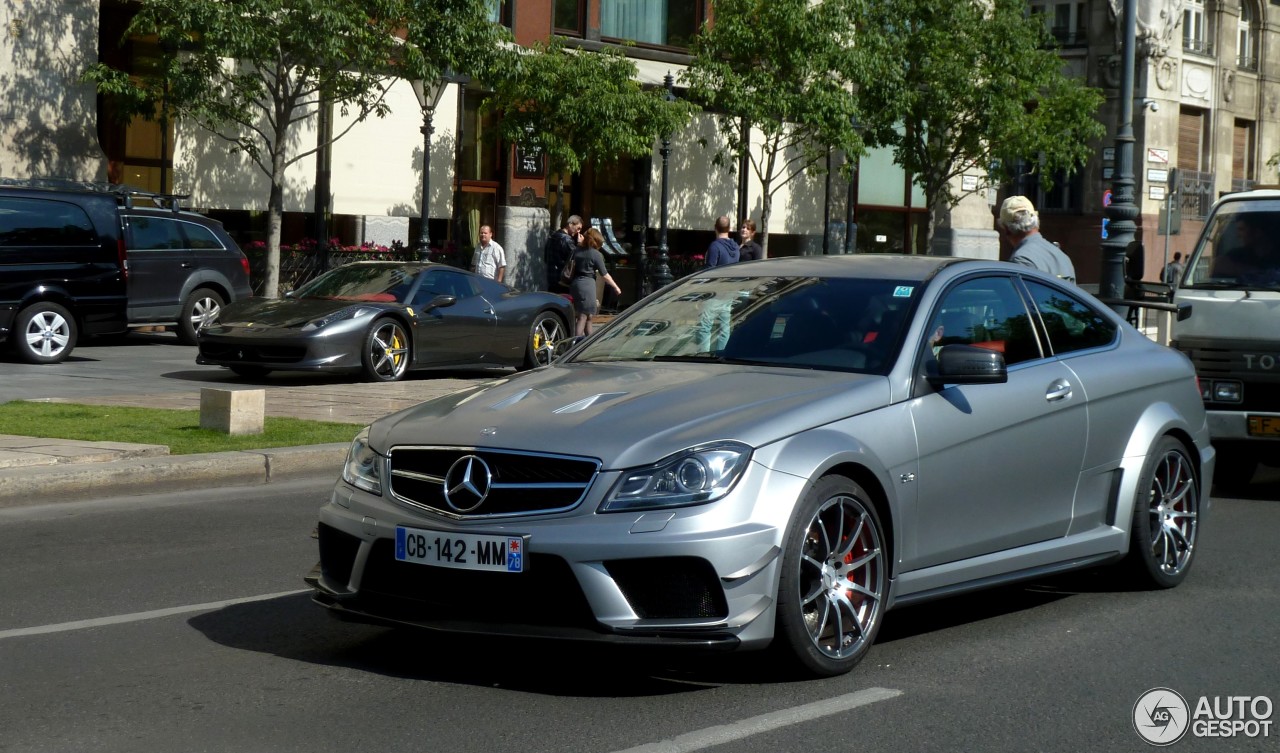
467 483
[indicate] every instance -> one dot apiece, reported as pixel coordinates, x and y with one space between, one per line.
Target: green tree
954 87
767 69
577 106
253 72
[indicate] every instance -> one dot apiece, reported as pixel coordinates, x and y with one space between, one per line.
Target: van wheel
44 332
199 310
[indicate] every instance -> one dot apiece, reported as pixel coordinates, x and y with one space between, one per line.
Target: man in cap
1019 223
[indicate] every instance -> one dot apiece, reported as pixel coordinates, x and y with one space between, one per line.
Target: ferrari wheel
386 353
547 332
834 580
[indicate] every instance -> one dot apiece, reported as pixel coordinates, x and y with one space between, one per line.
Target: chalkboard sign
530 162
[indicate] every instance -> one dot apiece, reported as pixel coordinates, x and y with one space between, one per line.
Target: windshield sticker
902 291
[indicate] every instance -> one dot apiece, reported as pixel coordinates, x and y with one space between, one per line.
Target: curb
74 482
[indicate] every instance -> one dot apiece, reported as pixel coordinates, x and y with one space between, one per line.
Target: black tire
834 579
387 351
1235 468
44 332
1162 538
250 372
200 309
547 331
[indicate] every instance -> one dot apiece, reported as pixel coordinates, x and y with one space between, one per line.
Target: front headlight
337 316
363 468
692 477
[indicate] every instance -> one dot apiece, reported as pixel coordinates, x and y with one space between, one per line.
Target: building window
1065 20
1066 195
566 17
666 23
500 12
1242 155
1196 36
1247 37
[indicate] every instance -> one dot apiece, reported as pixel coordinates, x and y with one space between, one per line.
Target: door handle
1059 389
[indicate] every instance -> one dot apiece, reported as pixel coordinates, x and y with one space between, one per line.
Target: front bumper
271 350
1227 425
700 577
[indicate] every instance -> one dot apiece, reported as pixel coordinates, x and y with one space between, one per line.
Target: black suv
63 268
86 258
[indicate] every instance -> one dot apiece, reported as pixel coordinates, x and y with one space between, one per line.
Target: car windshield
1239 249
838 324
356 282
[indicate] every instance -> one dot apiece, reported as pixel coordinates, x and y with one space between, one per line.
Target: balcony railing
1198 46
1241 184
1248 62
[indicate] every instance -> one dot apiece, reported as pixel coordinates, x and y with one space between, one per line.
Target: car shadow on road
313 379
292 627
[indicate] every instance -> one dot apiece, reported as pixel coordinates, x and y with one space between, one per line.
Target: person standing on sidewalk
1173 270
749 250
1020 225
722 250
560 247
489 260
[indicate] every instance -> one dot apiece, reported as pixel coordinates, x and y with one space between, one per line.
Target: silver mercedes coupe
774 454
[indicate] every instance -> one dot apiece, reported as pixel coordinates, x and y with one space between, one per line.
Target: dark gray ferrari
382 319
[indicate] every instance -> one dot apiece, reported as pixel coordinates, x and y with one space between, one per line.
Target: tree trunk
275 216
766 209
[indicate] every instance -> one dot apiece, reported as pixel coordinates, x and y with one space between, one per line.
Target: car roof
906 267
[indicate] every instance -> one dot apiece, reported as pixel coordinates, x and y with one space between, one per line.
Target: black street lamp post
428 97
662 272
1123 211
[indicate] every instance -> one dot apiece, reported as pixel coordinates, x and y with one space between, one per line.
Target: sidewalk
37 471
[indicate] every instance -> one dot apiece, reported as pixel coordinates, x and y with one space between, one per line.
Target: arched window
1247 37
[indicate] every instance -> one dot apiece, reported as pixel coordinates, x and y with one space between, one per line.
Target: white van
1232 281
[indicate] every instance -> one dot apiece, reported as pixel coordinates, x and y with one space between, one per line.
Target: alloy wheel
389 350
1172 503
48 334
842 574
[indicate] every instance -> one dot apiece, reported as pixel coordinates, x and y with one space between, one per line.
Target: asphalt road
176 623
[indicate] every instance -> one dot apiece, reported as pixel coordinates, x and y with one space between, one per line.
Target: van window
1239 248
39 222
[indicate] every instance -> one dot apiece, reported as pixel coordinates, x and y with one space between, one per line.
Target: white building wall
47 116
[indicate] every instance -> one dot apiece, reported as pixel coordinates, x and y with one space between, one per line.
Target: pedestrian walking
588 265
1173 270
489 260
1020 225
559 248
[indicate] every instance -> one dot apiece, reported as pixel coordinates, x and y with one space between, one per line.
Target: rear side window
200 237
1070 323
153 233
40 222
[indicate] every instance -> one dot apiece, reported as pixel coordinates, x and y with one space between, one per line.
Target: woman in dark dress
588 264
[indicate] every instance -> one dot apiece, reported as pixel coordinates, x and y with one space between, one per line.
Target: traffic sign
1105 223
1106 198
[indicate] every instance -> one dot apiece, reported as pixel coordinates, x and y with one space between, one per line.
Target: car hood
632 413
280 312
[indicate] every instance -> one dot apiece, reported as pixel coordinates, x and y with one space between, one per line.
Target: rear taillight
244 262
122 258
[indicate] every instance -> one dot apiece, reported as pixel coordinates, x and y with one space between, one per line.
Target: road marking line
63 627
721 734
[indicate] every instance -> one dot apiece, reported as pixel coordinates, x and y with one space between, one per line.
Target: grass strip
179 429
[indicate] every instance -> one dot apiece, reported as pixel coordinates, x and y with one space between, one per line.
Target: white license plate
503 554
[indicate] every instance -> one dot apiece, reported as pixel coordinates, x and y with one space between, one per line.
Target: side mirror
288 294
440 302
966 364
1184 311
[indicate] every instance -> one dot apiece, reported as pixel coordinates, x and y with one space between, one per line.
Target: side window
201 237
986 312
36 222
154 233
1069 322
443 282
